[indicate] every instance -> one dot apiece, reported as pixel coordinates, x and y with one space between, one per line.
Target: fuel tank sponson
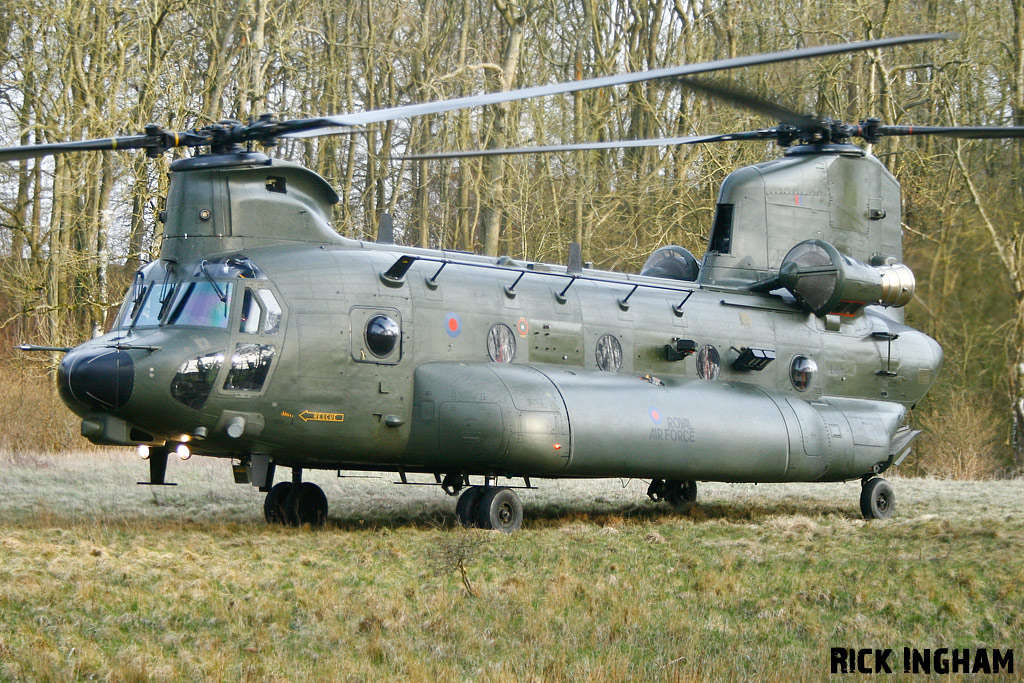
546 420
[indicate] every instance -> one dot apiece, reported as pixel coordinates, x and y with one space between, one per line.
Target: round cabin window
801 372
381 335
501 344
709 363
609 353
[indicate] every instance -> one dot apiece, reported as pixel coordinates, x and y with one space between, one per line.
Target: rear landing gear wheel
273 504
500 509
877 499
680 494
468 505
306 504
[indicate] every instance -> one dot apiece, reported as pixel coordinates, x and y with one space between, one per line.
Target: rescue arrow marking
308 415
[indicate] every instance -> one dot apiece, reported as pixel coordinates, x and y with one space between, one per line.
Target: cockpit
203 300
229 293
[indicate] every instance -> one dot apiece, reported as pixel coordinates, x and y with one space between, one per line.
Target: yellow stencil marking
308 415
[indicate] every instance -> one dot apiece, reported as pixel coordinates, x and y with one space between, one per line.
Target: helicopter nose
96 378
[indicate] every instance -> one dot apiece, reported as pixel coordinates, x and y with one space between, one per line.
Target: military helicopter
262 336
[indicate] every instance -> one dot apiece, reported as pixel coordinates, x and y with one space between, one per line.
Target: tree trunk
515 24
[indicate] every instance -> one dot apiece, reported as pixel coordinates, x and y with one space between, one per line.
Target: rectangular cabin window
721 234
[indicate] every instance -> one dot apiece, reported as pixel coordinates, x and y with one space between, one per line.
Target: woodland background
73 229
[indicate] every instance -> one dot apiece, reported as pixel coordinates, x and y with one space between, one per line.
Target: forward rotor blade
391 113
155 141
103 144
954 131
298 128
612 144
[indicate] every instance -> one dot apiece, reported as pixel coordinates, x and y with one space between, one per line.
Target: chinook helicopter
264 337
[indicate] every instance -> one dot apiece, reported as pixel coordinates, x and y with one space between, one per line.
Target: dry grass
32 417
103 579
962 439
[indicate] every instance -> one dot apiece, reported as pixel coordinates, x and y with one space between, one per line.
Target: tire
681 494
306 504
273 504
468 505
500 509
877 499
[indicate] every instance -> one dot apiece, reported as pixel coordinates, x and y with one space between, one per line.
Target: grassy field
102 579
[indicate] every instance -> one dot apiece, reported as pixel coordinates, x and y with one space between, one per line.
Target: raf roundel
453 324
655 415
523 327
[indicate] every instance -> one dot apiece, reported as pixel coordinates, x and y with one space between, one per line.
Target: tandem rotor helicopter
262 336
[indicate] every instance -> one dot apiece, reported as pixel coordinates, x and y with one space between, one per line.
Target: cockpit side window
272 323
249 367
260 312
200 304
251 313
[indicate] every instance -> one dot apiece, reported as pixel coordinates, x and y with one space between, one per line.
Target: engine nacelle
828 282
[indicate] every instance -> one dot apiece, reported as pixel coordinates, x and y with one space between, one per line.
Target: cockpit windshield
157 297
148 296
149 314
203 304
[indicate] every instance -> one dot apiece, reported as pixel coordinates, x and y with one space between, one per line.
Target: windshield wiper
222 295
138 289
132 347
166 293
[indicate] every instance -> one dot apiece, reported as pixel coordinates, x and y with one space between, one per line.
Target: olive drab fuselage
261 331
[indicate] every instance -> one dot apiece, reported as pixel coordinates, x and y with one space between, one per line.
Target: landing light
183 452
143 452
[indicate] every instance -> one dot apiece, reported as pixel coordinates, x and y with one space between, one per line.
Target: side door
255 341
382 369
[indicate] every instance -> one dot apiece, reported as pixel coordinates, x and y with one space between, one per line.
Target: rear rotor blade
612 144
391 113
748 100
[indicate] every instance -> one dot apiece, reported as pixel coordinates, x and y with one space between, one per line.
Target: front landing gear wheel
500 509
306 504
273 504
468 505
877 499
681 494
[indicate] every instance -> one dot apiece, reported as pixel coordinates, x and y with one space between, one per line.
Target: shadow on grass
440 516
555 515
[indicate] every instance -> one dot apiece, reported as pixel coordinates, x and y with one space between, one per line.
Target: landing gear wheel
468 504
500 509
273 504
306 504
680 494
877 499
656 491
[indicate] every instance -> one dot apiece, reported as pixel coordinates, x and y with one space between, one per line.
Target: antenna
385 229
